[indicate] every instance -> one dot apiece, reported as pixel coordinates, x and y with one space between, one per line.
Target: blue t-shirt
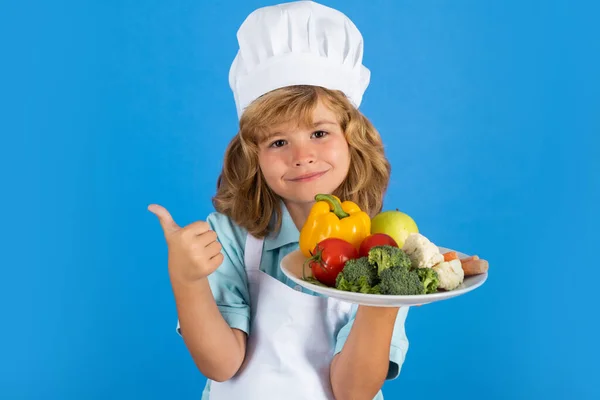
229 283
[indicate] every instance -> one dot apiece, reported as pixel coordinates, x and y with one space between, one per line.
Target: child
297 80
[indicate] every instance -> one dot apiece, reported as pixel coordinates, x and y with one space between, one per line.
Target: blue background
490 115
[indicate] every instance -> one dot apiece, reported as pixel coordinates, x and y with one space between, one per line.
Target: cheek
270 166
339 153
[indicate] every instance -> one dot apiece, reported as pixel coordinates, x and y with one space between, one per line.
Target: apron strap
253 253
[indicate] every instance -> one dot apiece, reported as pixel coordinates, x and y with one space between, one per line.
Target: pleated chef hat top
297 43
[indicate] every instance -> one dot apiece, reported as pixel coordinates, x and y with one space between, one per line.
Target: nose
303 155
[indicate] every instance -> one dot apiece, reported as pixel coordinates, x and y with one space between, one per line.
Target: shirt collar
288 233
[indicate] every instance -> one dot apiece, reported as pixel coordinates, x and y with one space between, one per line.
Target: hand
194 252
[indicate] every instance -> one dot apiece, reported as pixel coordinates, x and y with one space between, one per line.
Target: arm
360 369
211 290
217 350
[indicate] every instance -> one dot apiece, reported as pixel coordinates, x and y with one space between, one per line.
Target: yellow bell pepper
330 218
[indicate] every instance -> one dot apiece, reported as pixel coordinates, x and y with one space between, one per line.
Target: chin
302 197
307 194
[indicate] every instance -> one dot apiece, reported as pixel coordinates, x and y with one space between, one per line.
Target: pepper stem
334 204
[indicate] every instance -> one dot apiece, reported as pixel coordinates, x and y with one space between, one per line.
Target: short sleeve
229 283
399 345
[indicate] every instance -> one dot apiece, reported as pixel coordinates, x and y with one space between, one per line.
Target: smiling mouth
308 177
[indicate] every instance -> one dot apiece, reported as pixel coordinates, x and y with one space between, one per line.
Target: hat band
301 69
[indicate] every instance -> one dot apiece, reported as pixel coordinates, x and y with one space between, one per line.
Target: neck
299 212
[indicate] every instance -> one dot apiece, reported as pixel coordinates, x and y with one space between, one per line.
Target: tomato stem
303 268
317 258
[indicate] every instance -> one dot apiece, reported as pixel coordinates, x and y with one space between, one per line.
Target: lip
308 177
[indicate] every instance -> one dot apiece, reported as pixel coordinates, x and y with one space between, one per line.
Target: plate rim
479 279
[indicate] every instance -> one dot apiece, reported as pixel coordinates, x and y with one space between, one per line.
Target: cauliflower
422 253
450 274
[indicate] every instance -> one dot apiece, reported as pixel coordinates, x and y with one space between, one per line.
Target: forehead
319 115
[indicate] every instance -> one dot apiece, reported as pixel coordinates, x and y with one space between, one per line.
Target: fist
194 252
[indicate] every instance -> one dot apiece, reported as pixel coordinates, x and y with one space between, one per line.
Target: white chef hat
297 43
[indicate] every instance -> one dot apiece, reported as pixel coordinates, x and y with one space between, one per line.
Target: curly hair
242 192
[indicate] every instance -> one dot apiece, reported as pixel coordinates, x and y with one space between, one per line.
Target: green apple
394 223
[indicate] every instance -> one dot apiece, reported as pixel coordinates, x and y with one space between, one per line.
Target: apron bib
291 341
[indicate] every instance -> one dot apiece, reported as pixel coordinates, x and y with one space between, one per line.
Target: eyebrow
268 137
323 122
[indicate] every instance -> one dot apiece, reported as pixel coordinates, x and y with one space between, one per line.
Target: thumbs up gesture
194 252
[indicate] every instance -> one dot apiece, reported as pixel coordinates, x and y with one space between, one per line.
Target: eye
319 134
277 143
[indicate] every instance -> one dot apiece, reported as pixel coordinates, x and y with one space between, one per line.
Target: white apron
291 341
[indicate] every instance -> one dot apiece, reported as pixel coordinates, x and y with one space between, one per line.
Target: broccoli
400 280
357 276
360 286
386 270
386 256
429 279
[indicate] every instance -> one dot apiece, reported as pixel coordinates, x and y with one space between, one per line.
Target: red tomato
376 239
328 260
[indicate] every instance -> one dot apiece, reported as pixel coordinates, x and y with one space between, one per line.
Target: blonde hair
242 192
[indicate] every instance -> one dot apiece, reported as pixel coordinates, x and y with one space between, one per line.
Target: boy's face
299 163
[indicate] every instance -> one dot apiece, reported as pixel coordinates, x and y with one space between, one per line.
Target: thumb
166 221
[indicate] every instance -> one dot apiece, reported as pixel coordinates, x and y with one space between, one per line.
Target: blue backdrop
490 115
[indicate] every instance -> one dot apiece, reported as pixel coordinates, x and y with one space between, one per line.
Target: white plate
291 265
